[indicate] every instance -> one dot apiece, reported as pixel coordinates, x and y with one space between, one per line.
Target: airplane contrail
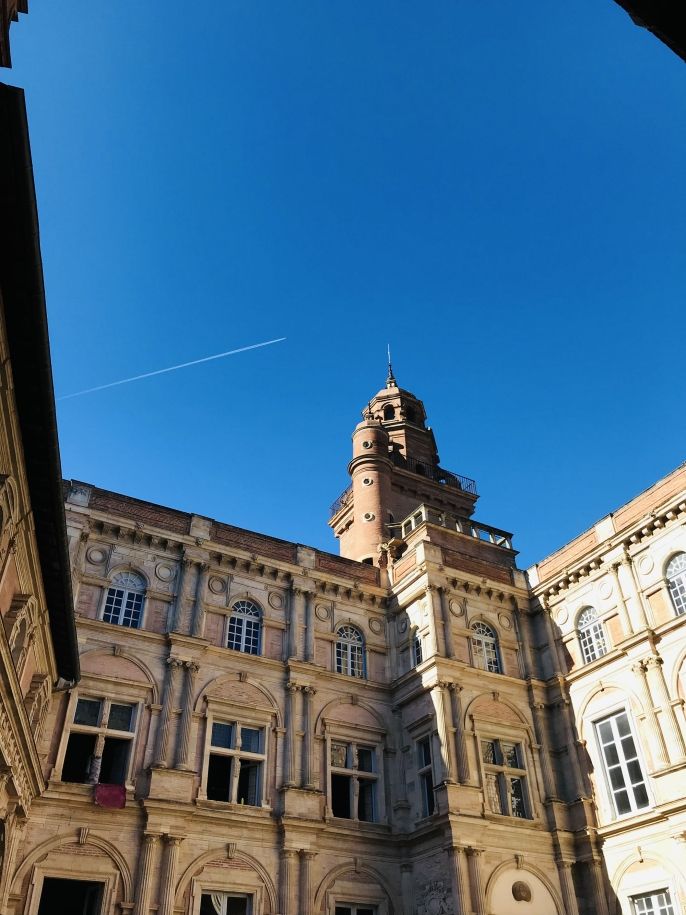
172 368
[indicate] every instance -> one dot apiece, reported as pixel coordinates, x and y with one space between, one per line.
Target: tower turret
395 467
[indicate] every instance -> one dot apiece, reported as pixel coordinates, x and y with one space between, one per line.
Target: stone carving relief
96 555
322 611
376 625
436 899
521 891
458 606
216 584
164 572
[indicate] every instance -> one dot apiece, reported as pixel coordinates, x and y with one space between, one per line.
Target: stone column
558 667
306 859
476 880
200 590
307 762
289 902
566 712
162 749
146 870
77 565
460 741
656 738
621 603
670 725
538 712
436 619
183 739
308 598
296 614
407 889
289 739
177 612
447 623
564 870
445 731
168 876
599 889
636 588
459 880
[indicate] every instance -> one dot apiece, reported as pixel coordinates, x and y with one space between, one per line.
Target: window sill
82 789
356 824
207 804
519 822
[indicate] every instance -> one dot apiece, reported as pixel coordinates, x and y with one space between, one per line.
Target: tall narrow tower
394 469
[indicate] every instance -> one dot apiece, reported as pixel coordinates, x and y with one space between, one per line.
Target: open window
99 742
354 780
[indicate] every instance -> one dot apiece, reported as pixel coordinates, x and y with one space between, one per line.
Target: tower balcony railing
452 522
342 500
437 474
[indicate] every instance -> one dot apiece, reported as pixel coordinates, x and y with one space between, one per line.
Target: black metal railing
341 501
437 474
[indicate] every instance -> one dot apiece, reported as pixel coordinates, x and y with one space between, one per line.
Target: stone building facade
616 599
262 727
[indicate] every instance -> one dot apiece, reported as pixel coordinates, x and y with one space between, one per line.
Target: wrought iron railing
423 513
341 500
437 474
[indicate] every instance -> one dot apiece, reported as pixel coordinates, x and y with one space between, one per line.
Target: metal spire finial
390 380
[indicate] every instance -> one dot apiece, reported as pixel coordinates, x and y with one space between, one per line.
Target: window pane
365 759
623 724
640 796
427 788
493 793
222 735
250 740
339 755
424 748
219 777
511 755
622 801
517 804
340 796
120 718
88 712
115 760
365 801
343 910
488 751
78 758
249 783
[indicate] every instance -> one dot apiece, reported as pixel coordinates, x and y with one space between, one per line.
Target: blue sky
497 191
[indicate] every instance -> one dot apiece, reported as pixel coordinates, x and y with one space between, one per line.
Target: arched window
388 412
124 601
676 580
485 648
591 635
245 624
350 651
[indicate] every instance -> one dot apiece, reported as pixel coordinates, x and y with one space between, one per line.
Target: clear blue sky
495 188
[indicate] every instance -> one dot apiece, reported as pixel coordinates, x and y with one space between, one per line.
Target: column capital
173 841
288 853
309 691
454 687
292 686
473 852
174 663
306 854
192 667
151 838
639 667
84 535
653 660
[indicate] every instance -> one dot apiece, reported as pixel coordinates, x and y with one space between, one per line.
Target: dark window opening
429 803
115 758
368 561
219 778
420 469
388 412
78 758
235 905
365 802
77 897
248 783
340 796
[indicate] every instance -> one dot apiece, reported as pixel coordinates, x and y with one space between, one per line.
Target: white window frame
345 646
503 772
591 634
241 883
612 715
221 712
229 894
416 648
676 584
669 909
479 648
107 699
245 617
126 593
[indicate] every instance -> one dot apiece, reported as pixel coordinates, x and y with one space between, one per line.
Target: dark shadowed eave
21 282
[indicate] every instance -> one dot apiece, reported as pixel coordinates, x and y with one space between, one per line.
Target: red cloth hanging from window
113 796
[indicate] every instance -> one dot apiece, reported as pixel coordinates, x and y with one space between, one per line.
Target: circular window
368 516
366 444
367 481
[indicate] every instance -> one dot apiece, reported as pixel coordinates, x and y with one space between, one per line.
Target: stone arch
144 669
336 873
127 567
520 872
43 850
494 705
325 712
622 872
629 695
246 685
205 860
246 595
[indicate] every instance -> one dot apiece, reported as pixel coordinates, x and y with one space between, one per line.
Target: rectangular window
426 779
227 903
354 781
656 903
621 763
235 766
505 778
355 910
99 743
417 650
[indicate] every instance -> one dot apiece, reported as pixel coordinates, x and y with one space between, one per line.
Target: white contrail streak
172 368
